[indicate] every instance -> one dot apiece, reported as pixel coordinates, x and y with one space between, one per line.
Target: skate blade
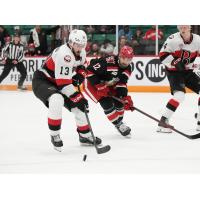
89 145
59 149
127 136
20 90
163 131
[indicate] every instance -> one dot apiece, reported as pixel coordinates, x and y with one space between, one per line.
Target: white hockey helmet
179 26
78 37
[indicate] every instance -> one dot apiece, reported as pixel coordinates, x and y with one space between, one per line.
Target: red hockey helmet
126 52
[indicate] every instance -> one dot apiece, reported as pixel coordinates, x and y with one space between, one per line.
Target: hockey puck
195 115
84 157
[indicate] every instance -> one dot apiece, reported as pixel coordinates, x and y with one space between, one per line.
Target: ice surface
25 142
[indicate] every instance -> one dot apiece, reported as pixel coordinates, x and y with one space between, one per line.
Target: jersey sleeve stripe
121 85
127 73
89 73
60 82
50 64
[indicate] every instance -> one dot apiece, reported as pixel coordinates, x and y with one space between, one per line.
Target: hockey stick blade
195 136
103 149
192 137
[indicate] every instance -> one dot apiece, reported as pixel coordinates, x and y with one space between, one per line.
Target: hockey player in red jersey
53 85
108 77
178 55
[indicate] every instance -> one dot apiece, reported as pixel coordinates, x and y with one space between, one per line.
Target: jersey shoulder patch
67 58
171 36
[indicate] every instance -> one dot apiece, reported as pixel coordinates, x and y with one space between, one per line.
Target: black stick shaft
88 121
169 126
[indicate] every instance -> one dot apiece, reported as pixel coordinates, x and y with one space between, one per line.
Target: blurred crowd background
40 40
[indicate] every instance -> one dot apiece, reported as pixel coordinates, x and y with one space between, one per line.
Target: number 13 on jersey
64 70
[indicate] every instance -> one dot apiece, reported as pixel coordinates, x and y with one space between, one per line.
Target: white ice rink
25 145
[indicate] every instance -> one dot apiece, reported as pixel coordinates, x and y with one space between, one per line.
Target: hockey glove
180 66
79 101
80 75
121 90
102 90
77 79
128 103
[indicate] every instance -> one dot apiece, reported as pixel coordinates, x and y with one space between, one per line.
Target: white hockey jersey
60 66
175 48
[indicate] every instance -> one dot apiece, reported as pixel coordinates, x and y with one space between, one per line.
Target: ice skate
124 129
22 88
162 126
57 142
85 140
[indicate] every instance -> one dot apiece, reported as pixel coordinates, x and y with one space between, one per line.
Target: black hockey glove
77 79
79 101
180 66
80 75
121 91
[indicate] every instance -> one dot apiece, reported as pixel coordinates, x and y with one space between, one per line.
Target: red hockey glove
102 90
128 103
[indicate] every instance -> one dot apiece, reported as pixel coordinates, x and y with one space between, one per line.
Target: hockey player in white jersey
54 85
178 54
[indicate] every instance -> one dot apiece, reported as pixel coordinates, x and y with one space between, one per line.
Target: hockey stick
196 136
99 150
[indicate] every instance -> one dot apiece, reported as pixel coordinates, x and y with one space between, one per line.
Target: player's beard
76 53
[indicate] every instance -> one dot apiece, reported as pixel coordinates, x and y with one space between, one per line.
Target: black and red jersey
107 70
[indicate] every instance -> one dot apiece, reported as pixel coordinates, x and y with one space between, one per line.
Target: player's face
184 29
77 48
16 40
124 62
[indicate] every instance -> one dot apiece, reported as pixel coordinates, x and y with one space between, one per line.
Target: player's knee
106 103
56 101
179 96
118 105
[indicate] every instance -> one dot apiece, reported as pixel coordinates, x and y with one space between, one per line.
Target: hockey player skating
178 55
107 77
53 85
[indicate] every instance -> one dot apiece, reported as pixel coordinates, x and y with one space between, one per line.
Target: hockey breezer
196 136
99 150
